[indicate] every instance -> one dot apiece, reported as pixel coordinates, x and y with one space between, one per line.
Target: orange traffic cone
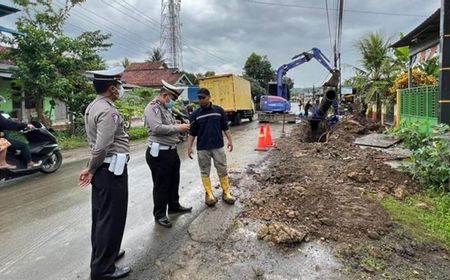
269 142
261 140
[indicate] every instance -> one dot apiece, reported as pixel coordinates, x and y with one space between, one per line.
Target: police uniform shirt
161 124
105 131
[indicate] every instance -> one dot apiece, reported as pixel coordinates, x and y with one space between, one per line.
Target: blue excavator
277 107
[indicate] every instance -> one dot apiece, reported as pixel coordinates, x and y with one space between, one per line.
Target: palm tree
378 67
125 62
157 55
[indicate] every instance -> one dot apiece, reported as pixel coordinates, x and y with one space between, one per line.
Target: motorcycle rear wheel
53 163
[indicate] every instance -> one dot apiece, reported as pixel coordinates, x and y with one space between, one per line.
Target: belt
109 159
165 147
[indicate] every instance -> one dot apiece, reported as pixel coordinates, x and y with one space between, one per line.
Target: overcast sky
219 35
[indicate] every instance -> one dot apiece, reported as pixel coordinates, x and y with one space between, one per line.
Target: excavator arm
305 57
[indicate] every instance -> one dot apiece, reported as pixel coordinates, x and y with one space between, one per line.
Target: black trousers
109 213
165 170
18 145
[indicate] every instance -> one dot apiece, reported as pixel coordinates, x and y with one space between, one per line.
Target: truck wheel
250 119
237 119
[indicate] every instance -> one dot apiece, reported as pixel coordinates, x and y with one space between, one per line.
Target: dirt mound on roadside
325 188
329 192
280 234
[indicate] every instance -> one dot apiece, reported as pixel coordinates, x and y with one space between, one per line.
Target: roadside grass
137 133
373 264
426 215
67 141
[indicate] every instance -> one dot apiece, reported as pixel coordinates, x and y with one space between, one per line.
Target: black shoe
164 221
120 272
180 209
120 255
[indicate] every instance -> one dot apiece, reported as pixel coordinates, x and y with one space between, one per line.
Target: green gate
420 105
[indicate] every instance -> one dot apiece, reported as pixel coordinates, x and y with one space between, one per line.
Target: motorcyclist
6 124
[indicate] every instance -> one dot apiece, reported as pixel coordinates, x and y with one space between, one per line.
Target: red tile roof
149 74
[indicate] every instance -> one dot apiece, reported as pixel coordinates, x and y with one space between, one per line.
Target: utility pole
170 33
444 81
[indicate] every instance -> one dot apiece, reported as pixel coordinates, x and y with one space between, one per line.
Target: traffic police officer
162 156
107 172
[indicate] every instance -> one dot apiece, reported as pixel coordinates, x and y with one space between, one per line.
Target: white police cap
113 74
175 91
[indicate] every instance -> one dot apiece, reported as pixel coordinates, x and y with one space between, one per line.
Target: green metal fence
420 104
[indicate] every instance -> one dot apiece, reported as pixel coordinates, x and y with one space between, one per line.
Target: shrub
430 161
138 133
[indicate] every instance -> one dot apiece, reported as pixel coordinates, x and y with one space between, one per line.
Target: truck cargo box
232 93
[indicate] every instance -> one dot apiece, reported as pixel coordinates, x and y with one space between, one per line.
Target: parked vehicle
277 109
233 94
43 147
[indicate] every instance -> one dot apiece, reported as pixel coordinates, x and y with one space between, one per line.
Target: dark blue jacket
207 125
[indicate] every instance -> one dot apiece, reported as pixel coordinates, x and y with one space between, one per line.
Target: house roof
6 10
9 30
150 74
429 29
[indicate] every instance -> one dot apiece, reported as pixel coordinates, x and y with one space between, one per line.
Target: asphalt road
45 220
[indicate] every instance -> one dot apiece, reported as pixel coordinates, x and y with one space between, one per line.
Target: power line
125 35
102 26
347 10
135 51
329 26
155 22
96 24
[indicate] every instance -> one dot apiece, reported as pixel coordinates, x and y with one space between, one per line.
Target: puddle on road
256 257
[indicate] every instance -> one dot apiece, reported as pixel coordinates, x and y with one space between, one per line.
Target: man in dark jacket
25 153
208 124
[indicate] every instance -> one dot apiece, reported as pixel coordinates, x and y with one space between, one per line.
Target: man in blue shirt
207 124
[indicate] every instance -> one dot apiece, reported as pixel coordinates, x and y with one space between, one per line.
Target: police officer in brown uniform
162 156
107 172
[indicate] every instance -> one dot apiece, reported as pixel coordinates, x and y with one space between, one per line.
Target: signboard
346 90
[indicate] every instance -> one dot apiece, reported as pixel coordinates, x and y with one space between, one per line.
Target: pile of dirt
280 234
327 190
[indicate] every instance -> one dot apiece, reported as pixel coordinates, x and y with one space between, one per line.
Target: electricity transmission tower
170 36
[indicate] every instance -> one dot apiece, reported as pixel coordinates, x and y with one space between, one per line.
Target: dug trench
311 212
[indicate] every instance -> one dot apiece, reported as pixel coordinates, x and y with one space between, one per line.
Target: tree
157 55
209 73
125 62
198 76
132 104
51 64
375 76
192 77
289 81
259 68
401 57
430 67
420 78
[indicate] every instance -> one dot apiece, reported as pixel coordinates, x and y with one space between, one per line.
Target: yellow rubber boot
227 196
210 199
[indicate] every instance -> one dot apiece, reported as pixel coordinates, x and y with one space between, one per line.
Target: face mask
121 92
171 104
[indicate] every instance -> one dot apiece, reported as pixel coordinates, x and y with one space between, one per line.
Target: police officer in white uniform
162 156
107 172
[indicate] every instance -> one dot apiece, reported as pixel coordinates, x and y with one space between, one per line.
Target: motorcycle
43 147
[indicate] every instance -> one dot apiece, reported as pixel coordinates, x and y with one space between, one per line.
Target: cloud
219 35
